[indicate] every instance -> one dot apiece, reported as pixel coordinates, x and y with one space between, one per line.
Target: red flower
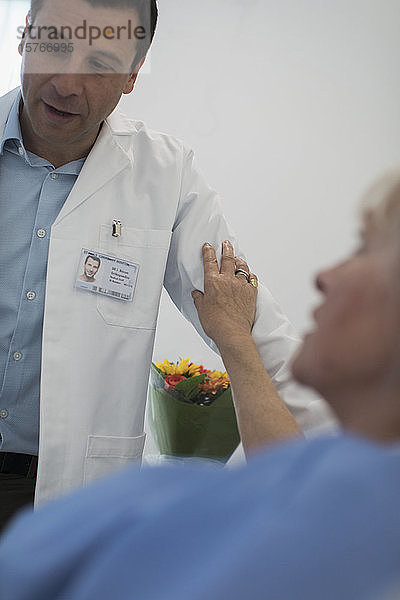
172 380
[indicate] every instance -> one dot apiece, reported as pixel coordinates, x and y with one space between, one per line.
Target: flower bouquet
191 413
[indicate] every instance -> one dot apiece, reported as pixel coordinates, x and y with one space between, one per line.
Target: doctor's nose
67 84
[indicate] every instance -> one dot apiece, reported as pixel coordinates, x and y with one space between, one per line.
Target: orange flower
173 380
213 385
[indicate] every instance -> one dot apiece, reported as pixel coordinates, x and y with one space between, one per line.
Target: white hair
382 202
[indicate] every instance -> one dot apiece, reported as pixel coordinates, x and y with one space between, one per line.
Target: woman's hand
226 311
228 306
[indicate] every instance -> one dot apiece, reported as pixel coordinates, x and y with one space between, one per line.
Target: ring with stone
253 282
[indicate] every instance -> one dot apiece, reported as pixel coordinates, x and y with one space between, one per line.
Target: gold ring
254 282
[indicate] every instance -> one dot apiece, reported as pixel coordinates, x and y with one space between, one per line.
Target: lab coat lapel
107 158
110 155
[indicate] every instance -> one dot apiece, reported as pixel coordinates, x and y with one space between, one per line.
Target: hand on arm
227 311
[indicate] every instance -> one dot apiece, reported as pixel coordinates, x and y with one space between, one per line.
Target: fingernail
207 244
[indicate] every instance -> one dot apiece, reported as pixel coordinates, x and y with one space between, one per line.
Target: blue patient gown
316 520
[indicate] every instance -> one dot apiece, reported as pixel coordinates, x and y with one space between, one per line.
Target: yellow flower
218 375
166 367
172 369
194 370
182 368
188 369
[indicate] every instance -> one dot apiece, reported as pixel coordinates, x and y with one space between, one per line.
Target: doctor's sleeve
199 219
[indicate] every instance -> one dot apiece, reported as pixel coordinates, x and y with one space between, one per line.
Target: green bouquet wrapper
185 429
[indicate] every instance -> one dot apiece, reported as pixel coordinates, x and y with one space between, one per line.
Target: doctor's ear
130 84
28 25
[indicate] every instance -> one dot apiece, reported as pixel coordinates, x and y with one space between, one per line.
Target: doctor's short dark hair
147 11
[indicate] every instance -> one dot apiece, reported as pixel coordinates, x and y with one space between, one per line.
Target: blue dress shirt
315 520
32 193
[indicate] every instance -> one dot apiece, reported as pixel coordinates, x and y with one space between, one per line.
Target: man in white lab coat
79 178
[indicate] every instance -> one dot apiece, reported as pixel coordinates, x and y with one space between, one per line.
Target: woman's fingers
210 261
227 259
242 269
230 264
228 305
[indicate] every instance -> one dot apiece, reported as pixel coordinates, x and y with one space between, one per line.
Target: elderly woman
352 358
304 520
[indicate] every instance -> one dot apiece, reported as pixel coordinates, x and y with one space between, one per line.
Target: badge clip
116 228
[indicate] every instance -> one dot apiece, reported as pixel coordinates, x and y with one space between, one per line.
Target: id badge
107 275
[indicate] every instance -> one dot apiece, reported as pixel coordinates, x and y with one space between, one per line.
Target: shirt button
31 295
17 356
3 413
20 150
54 175
41 233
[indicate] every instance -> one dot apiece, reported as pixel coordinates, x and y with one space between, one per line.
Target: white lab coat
96 350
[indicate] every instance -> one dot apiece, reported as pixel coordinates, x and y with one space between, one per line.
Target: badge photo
107 275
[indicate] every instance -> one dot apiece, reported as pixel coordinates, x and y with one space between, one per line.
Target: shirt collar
12 130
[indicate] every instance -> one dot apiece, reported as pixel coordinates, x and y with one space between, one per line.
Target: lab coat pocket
148 248
107 453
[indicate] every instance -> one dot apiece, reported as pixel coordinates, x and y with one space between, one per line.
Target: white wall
12 16
292 107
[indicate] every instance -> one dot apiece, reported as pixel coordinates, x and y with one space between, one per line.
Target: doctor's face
355 343
71 85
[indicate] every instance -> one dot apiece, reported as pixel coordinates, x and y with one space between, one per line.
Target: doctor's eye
100 67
